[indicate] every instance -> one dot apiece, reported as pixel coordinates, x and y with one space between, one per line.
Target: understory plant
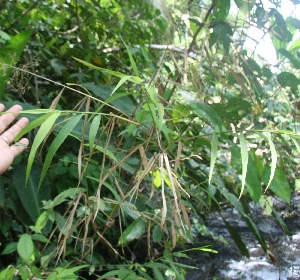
130 140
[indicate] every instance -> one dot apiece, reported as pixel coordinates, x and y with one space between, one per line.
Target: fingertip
24 141
24 120
2 107
16 107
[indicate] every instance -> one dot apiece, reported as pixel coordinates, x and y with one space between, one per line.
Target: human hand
7 136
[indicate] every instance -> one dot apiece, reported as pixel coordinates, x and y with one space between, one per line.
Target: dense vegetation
143 115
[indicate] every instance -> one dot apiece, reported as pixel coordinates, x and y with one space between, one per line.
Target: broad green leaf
121 101
253 179
42 221
10 248
24 272
234 110
287 79
134 231
57 142
7 274
94 130
39 138
244 154
157 234
213 155
29 194
279 185
134 79
280 30
207 113
222 32
10 54
25 248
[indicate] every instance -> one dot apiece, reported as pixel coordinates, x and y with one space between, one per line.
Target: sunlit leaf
244 154
132 62
273 160
94 130
57 142
40 136
213 156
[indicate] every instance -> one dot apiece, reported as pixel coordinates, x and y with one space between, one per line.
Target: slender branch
208 13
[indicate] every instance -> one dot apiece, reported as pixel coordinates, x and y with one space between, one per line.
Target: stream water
230 264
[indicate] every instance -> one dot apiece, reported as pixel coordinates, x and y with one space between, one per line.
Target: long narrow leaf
40 136
244 154
35 123
273 160
134 79
93 131
60 138
213 156
120 83
132 62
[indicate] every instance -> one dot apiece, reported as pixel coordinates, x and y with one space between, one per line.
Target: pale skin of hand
9 152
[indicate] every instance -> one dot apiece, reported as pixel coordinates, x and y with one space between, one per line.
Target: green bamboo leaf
25 248
120 83
132 62
134 231
234 233
244 154
93 131
60 198
273 160
35 123
156 108
134 79
60 138
213 156
40 136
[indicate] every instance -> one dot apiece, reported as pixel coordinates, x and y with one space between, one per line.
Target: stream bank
229 262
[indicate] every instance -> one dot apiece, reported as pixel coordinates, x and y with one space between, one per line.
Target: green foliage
141 117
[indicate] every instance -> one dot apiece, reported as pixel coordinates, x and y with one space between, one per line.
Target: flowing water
230 264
